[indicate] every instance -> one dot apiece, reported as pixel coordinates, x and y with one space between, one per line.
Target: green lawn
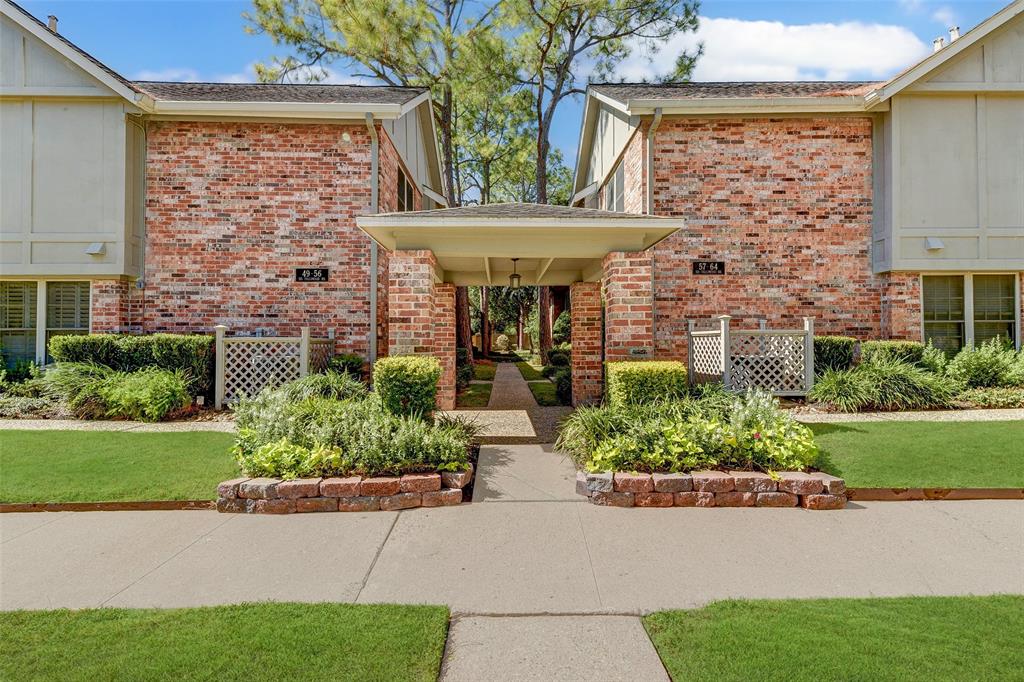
529 372
921 638
246 642
475 395
924 454
544 393
108 466
483 372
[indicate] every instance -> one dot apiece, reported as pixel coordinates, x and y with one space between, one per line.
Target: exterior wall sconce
515 279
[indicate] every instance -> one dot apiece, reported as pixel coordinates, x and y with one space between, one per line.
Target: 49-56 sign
312 274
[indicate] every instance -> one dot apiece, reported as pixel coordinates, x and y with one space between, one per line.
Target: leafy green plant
25 407
833 352
904 351
561 330
631 383
993 398
989 365
150 394
330 384
934 359
347 363
407 385
563 385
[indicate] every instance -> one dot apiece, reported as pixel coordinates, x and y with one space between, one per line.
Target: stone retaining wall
714 489
352 493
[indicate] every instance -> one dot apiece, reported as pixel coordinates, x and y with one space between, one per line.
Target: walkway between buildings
526 546
510 390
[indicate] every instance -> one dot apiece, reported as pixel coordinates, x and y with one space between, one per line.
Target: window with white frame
406 198
25 328
615 190
970 308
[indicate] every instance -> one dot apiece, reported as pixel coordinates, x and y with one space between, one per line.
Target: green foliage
631 383
993 398
561 330
903 351
25 407
19 371
347 363
989 365
884 383
330 384
933 359
407 385
563 385
846 390
463 368
502 343
833 352
93 391
559 357
192 354
675 436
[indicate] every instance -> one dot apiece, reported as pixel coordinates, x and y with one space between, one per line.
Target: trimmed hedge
563 384
903 351
407 384
635 383
191 354
833 352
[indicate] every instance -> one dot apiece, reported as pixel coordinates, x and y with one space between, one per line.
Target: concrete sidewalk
526 545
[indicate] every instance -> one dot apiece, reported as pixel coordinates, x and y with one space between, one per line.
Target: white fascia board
937 59
69 53
749 105
414 102
404 221
624 107
586 135
439 198
277 109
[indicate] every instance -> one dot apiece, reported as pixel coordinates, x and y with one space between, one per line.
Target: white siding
409 135
611 134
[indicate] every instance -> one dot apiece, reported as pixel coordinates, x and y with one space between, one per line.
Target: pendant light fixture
515 278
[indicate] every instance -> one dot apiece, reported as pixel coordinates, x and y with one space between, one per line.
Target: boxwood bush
191 354
833 352
407 384
563 384
905 351
632 383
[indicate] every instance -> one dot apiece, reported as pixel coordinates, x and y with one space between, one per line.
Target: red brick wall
113 306
585 313
901 306
444 343
635 167
786 203
628 306
233 208
411 304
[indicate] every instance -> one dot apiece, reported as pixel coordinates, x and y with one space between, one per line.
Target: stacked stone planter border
349 494
713 489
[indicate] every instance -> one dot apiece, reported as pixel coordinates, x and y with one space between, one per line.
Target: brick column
444 343
901 306
585 313
411 302
629 306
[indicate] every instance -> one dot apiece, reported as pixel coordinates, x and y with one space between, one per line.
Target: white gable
998 58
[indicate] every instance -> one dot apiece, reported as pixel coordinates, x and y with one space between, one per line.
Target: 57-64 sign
312 274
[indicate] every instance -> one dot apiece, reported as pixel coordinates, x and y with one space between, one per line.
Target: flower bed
813 490
346 494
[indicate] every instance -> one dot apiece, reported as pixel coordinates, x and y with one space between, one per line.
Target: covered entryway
432 252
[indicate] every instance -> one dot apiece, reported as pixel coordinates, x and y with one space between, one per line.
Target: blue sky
744 40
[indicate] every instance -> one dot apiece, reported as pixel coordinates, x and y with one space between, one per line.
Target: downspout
650 211
374 208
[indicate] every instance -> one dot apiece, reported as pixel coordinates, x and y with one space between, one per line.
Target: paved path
929 416
510 390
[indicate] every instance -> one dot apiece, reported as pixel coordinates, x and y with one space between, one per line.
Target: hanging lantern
515 278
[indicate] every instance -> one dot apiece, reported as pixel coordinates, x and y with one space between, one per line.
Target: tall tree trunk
447 144
485 323
463 328
519 329
544 321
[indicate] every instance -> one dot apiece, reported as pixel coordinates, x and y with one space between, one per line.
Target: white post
304 352
723 320
41 323
221 366
808 354
689 352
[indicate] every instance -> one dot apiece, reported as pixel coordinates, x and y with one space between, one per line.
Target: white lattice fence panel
320 352
769 361
706 355
250 366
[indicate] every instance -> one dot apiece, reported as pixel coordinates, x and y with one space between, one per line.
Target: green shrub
192 354
330 384
407 385
147 395
462 357
502 344
833 352
563 384
934 360
1015 377
463 368
561 330
989 365
846 390
347 363
993 398
631 383
558 357
19 371
883 384
905 351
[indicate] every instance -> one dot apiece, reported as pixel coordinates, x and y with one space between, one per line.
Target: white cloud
735 49
945 16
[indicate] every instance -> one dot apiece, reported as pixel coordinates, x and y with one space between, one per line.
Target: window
67 309
18 321
615 190
406 199
959 309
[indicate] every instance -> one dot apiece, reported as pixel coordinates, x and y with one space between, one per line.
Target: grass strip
475 395
529 372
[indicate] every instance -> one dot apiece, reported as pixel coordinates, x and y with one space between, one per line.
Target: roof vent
938 44
51 23
954 33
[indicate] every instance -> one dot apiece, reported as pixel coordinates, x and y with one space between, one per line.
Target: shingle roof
523 210
315 93
624 92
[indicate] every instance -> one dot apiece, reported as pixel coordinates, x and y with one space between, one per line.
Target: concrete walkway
510 390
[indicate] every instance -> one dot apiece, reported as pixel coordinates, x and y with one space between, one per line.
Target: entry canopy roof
555 245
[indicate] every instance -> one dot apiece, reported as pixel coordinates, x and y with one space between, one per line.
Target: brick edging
933 494
344 494
814 490
137 505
